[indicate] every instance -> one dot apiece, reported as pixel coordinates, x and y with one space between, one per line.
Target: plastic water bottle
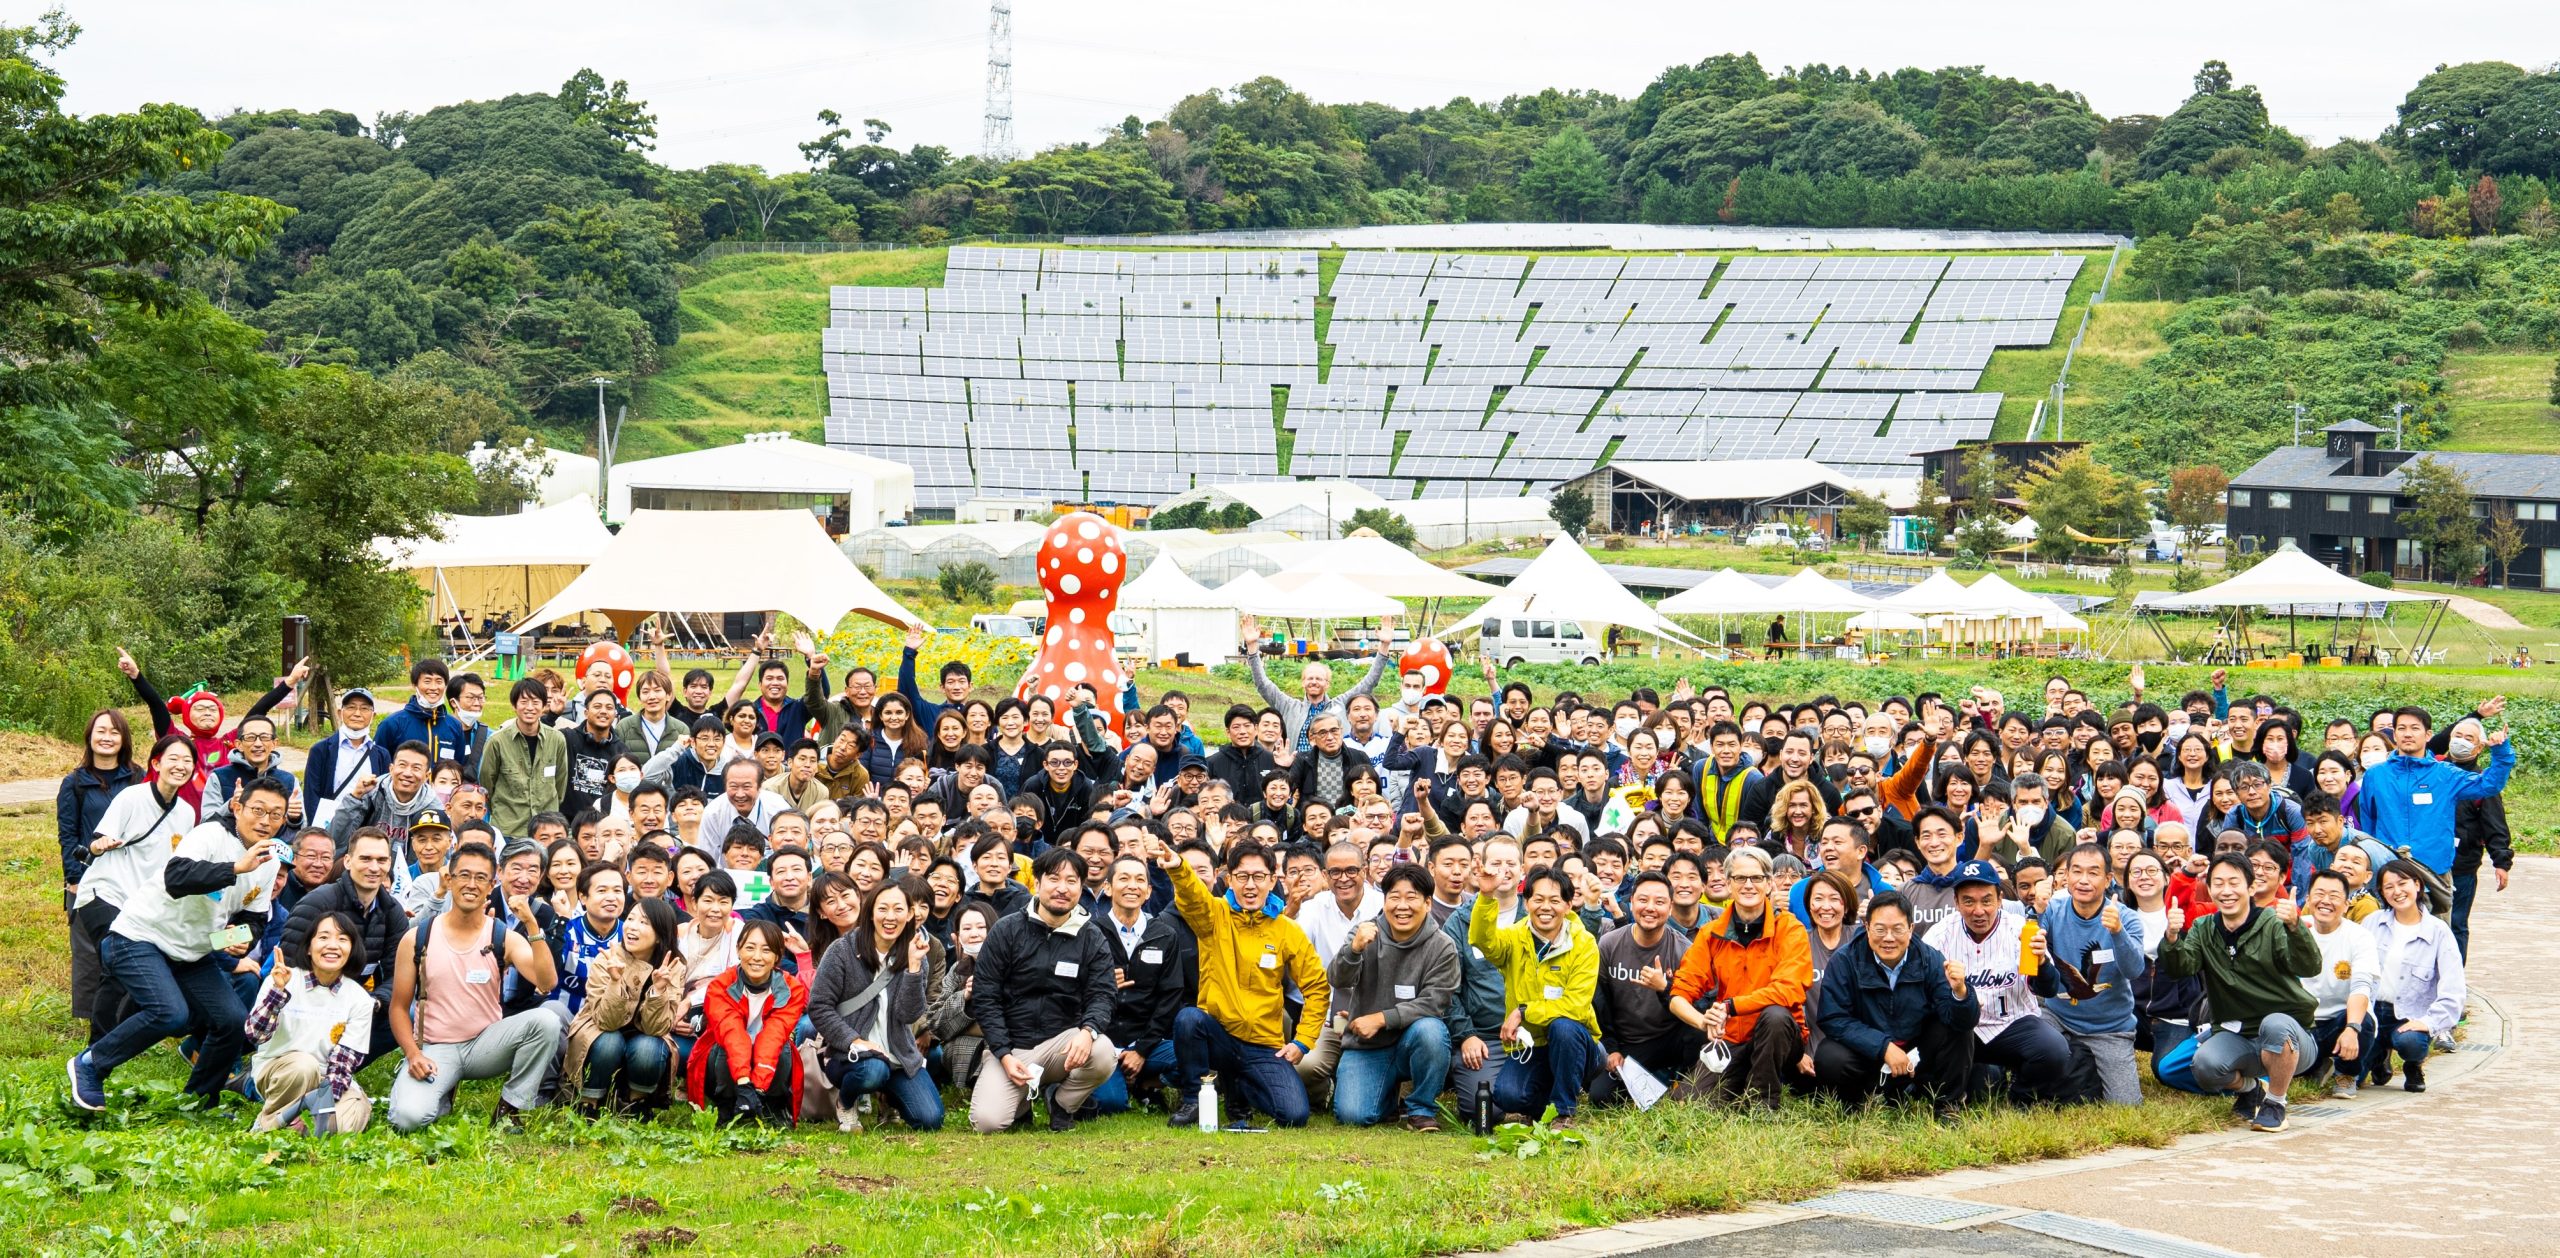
1209 1104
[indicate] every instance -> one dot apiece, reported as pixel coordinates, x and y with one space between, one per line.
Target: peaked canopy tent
1718 595
2295 583
1380 566
496 567
1325 596
1183 618
1938 594
723 561
1565 582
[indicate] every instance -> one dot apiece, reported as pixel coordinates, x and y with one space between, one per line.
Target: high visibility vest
1720 799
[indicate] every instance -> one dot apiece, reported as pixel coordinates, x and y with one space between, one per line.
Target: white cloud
743 81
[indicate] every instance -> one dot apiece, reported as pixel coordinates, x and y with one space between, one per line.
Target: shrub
971 582
2377 578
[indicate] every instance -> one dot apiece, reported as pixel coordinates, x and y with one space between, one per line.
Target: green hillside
2502 403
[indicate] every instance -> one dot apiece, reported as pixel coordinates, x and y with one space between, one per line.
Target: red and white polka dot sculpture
611 653
1429 657
1081 567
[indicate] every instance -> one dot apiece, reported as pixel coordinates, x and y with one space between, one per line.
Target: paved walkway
41 790
2458 1169
2485 615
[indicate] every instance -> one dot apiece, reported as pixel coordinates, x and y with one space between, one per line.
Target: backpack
418 933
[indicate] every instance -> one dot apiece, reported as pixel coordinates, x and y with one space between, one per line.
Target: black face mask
1838 773
1769 748
2148 740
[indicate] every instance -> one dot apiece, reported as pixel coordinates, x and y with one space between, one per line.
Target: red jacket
765 1041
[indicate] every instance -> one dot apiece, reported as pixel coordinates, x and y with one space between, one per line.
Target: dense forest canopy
234 350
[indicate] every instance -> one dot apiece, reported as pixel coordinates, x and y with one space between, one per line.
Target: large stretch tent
500 566
730 561
1565 582
2296 584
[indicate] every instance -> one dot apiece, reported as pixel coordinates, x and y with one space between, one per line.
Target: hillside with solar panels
1075 374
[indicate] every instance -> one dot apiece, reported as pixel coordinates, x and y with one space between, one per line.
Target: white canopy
1381 567
499 566
723 561
1810 591
1181 616
1565 582
1939 593
1326 596
1718 595
1165 585
2289 578
1887 619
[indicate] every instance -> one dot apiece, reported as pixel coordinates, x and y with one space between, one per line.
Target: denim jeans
1113 1096
1553 1075
2410 1046
173 997
2466 888
1202 1045
917 1100
2326 1032
1365 1078
640 1061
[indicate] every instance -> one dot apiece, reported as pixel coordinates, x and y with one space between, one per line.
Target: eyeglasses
472 878
1353 872
1858 814
1749 880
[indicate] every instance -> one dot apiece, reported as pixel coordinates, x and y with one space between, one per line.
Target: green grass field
2501 403
155 1182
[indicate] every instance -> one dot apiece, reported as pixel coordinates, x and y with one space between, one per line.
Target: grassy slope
2501 403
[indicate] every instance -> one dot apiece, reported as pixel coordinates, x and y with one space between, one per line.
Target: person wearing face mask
423 718
335 763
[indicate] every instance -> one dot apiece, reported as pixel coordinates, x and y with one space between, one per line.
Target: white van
1539 640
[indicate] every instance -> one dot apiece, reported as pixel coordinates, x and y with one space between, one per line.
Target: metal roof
2313 468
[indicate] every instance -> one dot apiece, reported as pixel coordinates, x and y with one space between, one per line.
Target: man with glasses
1896 1017
253 757
2263 814
1250 955
447 969
1750 967
361 891
1066 797
1325 766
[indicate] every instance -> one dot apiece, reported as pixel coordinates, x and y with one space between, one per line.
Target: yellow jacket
1247 960
1549 981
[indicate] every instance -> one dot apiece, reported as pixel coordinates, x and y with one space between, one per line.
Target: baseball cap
768 739
1193 762
1977 871
431 819
353 693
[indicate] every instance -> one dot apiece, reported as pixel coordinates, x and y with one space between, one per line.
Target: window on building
2239 497
2279 500
2340 503
2379 504
2538 511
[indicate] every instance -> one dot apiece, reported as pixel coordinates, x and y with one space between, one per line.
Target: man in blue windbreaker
2408 800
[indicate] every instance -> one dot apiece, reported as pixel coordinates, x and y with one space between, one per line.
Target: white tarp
723 561
1565 582
1811 592
1379 566
1938 594
1329 596
1180 615
2289 578
1718 595
1887 620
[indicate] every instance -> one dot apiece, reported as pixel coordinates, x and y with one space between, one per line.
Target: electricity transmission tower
997 144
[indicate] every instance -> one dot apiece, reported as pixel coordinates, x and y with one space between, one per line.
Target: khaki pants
996 1100
291 1083
1315 1069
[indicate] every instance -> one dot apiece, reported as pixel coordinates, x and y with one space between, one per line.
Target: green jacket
524 776
2258 974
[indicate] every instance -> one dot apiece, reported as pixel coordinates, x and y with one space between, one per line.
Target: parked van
1539 640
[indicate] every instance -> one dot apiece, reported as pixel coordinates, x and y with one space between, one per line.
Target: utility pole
2297 423
2399 426
604 448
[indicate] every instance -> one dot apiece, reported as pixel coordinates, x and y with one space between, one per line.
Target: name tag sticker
1068 969
2102 956
476 977
1151 956
1553 992
1270 960
2423 798
551 770
1404 991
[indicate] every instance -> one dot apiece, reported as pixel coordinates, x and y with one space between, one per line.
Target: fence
1889 573
2062 378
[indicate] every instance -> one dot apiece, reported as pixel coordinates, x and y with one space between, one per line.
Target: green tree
1567 175
1385 523
2504 540
2517 137
85 234
1865 517
2207 124
2074 491
2344 214
2193 502
611 110
1571 510
972 583
1847 135
2443 120
2438 516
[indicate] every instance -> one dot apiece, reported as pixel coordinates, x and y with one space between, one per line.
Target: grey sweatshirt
1408 981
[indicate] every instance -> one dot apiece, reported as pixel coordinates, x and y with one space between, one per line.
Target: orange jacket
1901 792
1772 969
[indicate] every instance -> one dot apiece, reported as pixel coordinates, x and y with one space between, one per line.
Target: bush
971 582
2377 578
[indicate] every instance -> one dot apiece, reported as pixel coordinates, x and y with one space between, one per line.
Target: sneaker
1061 1119
2380 1075
2416 1080
86 1091
2244 1104
1564 1122
2270 1116
1425 1123
848 1120
2346 1089
1186 1114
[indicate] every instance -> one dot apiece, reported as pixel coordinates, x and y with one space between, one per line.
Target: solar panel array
1130 376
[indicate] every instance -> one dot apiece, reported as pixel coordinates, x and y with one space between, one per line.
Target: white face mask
468 719
1413 697
968 949
626 781
2372 758
358 731
2031 815
2462 748
1877 745
1626 725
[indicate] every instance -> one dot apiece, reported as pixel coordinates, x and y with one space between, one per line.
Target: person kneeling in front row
1043 998
2253 960
1896 1016
1751 966
1550 974
1395 978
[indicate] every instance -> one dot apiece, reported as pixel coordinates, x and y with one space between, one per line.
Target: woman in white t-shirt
312 1030
141 826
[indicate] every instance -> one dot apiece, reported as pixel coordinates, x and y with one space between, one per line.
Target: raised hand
2111 917
125 664
1251 626
915 637
1363 935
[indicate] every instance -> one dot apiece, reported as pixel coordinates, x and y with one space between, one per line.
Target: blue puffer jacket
2408 801
1865 1013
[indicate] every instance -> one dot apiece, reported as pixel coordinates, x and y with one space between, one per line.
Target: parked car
1539 640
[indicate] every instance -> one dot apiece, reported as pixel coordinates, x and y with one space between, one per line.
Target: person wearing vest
1724 781
448 969
742 1068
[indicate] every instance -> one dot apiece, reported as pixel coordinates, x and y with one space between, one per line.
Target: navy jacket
321 773
417 723
79 806
1864 1014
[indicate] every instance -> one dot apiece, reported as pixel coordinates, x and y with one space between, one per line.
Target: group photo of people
803 892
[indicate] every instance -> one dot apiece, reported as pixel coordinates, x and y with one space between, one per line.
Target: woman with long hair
866 1001
127 849
895 736
622 1031
79 805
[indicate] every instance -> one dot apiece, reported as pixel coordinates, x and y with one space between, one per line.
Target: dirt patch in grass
25 756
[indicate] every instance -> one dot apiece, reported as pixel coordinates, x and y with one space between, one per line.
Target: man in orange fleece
1749 968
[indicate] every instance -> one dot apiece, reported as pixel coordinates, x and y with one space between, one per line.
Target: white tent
1718 595
1327 596
1887 620
1565 582
1810 591
500 565
723 561
767 471
1182 616
2289 579
1938 594
1379 566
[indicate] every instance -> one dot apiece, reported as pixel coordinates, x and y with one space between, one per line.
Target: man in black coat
1043 998
362 891
1324 773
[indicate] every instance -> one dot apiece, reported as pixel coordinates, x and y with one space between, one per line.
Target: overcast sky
741 80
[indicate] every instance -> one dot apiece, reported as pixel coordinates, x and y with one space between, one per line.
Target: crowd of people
809 896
